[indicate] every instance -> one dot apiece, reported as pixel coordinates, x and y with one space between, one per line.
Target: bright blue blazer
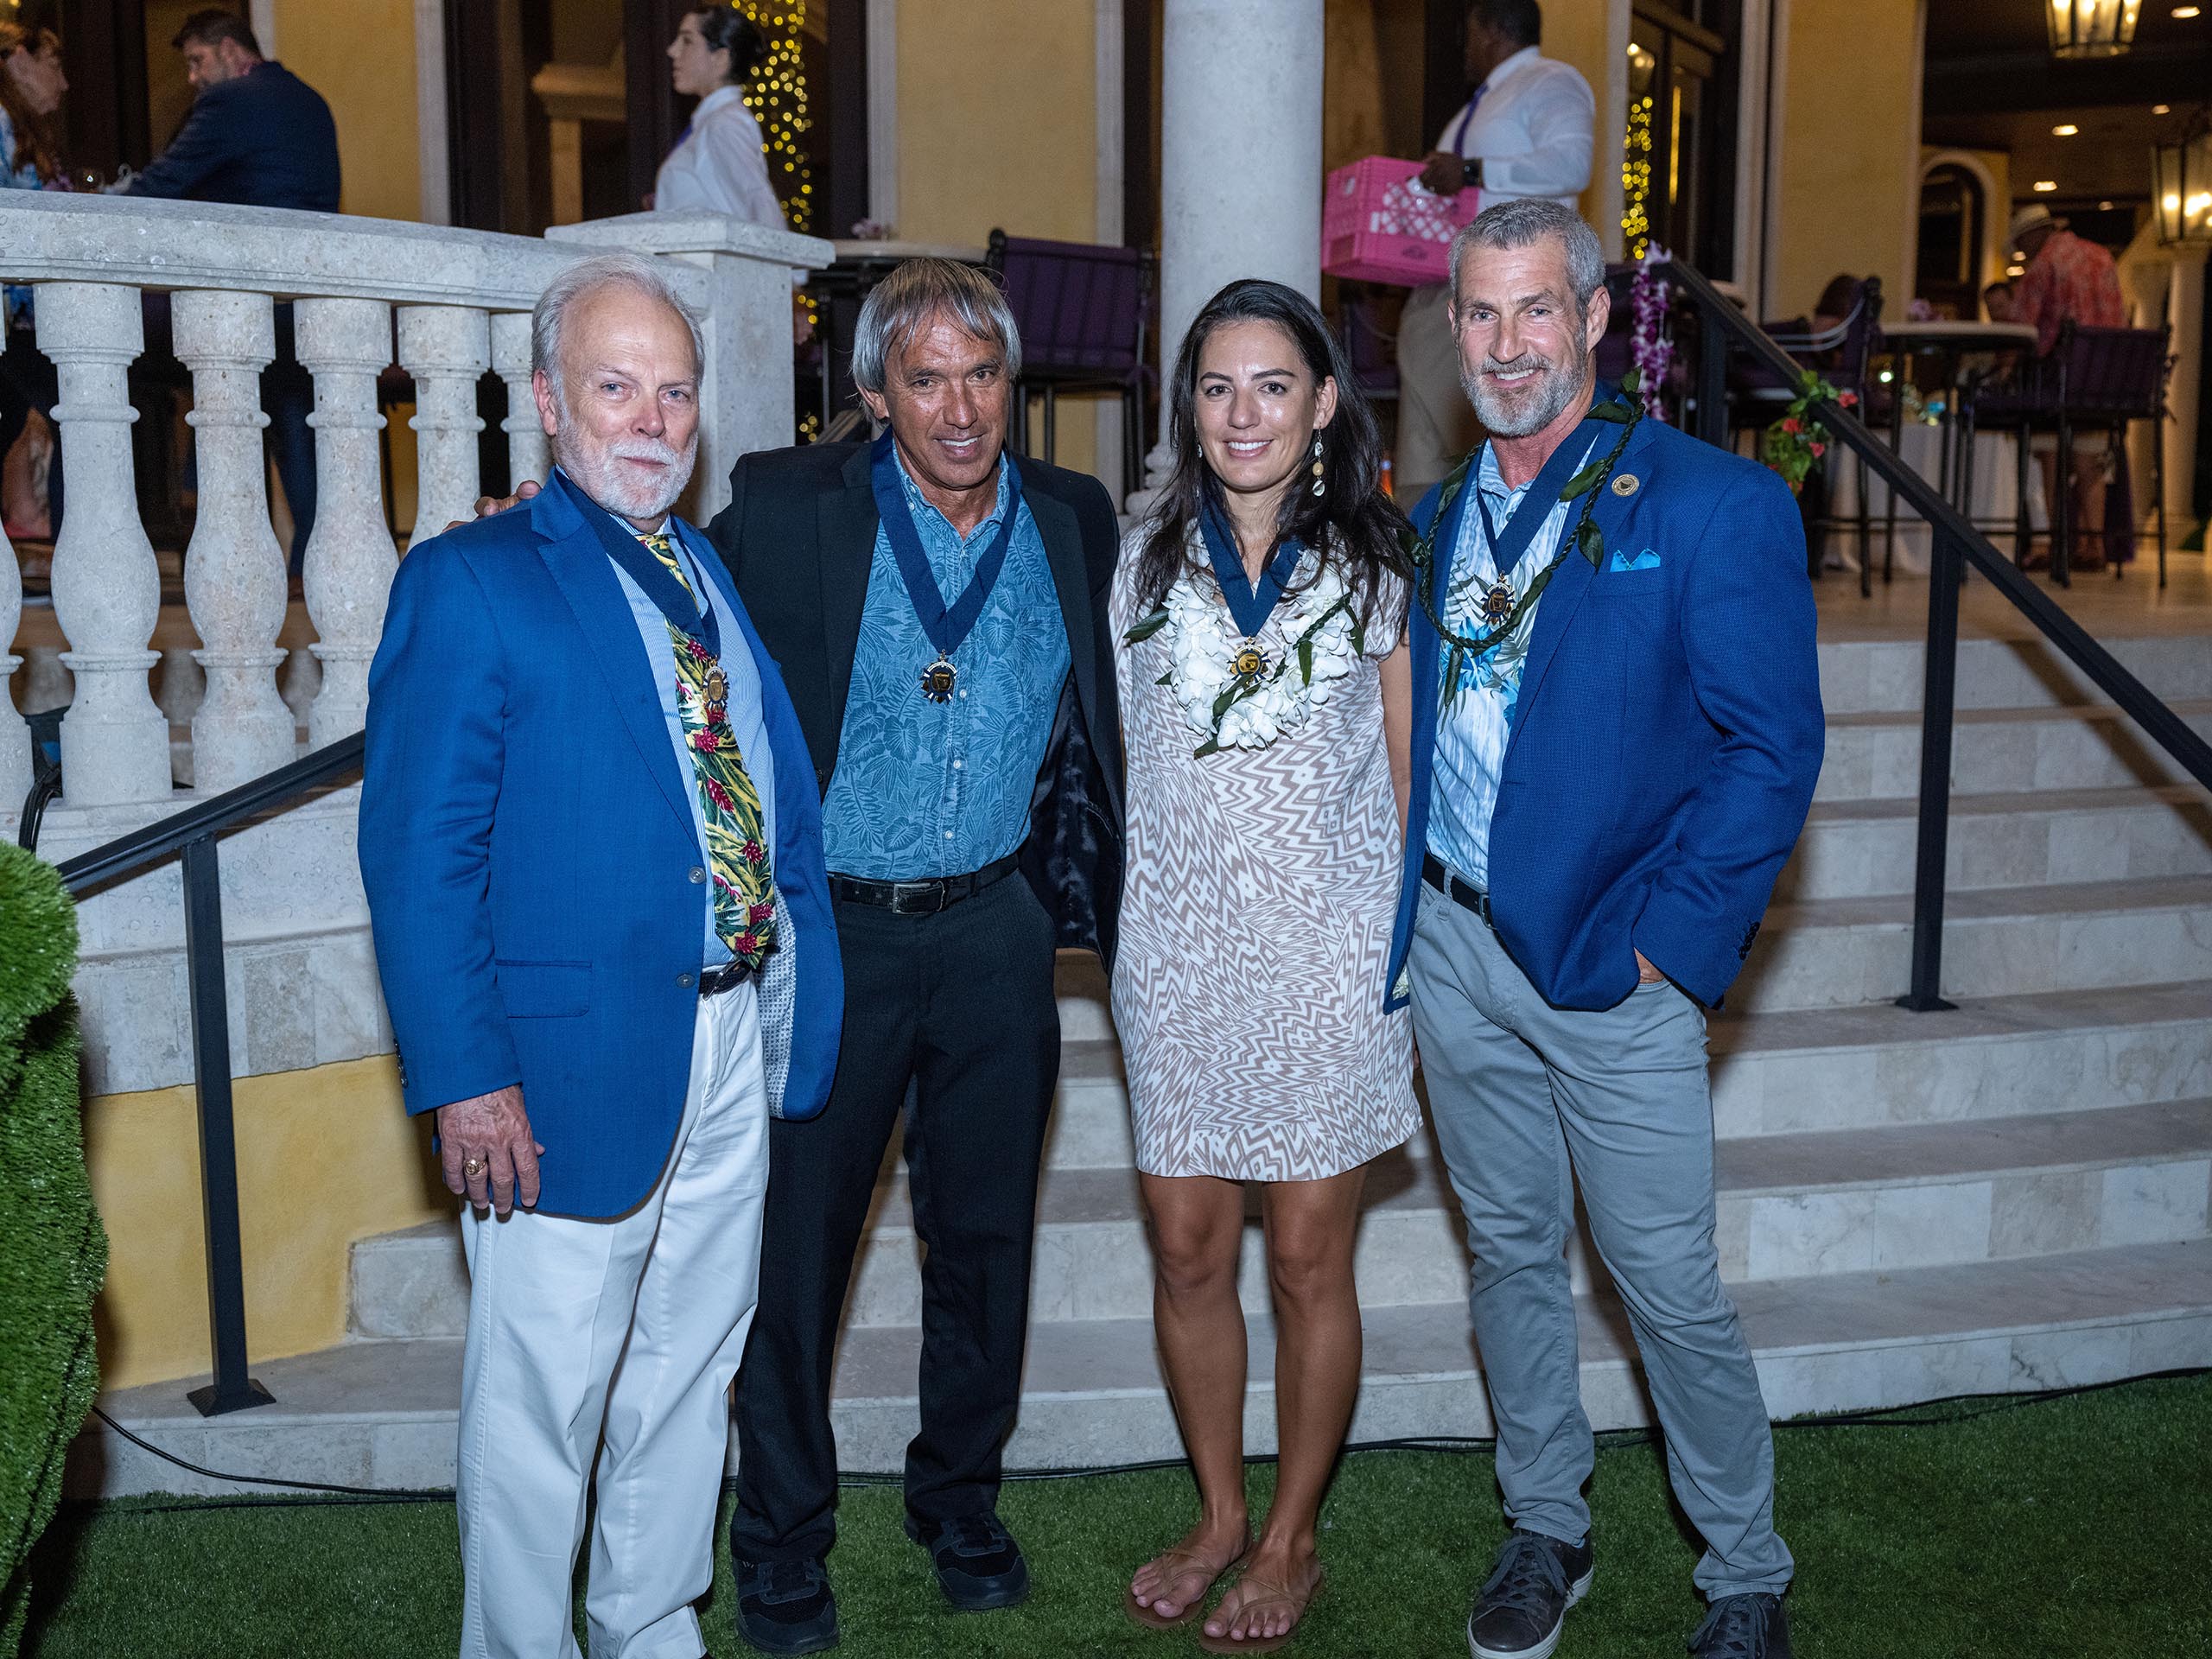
1666 738
526 842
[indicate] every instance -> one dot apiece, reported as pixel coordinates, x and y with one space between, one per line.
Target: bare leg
2089 507
1197 1224
1311 1229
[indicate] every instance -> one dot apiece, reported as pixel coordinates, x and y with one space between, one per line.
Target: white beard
596 473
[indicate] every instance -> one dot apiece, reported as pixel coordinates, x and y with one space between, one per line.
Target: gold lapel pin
1627 484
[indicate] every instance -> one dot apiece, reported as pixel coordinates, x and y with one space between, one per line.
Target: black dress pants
962 1004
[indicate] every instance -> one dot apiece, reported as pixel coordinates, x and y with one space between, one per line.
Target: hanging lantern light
2091 28
2181 184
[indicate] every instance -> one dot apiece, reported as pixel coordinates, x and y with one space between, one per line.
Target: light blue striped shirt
1473 728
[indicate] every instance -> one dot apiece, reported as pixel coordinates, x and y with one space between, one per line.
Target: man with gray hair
940 612
593 853
1617 730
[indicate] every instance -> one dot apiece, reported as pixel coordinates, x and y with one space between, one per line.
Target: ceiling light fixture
2066 130
2046 185
2091 28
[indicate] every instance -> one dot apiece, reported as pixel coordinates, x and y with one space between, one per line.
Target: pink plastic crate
1378 225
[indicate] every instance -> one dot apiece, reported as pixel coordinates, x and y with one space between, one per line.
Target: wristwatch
1470 172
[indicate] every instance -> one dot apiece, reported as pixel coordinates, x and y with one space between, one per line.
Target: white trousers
620 1336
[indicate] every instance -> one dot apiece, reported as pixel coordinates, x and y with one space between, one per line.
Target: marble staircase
2011 1195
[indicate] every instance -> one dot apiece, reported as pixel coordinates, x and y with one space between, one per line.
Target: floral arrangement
1651 343
1236 695
1794 445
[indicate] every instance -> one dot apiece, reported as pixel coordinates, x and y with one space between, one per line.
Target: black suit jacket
265 139
799 535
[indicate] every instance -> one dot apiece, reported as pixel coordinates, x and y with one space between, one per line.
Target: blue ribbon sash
1250 607
946 625
689 615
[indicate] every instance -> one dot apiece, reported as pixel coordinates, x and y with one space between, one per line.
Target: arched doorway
1953 238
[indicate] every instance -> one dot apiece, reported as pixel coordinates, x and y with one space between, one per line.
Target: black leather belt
1437 874
919 898
713 981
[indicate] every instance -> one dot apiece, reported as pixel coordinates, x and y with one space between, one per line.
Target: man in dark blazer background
938 611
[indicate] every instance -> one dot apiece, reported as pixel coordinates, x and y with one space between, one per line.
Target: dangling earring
1321 483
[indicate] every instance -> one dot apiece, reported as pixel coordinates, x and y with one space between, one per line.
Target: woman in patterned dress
1268 771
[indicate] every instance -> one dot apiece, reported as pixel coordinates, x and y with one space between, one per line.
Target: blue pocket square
1647 560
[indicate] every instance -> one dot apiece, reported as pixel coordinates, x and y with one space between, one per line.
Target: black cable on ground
341 1496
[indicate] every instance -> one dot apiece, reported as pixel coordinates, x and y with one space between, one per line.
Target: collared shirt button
948 835
698 876
684 979
958 765
963 692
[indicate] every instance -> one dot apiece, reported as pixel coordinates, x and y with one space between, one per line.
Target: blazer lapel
1062 539
585 576
845 531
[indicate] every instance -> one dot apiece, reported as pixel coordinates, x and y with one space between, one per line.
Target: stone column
527 455
107 589
14 736
346 344
1240 162
234 571
447 348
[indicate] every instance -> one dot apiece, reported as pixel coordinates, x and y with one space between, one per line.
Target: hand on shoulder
489 505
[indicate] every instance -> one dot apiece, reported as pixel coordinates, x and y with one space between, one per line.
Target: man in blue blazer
1617 731
592 845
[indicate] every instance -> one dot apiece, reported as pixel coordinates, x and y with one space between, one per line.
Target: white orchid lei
1235 693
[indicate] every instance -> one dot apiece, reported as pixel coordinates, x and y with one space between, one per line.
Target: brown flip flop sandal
1181 1563
1268 1591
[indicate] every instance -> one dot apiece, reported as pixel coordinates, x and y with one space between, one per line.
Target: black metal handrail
1957 544
192 832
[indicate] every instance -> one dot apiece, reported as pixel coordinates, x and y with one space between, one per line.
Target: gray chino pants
1528 1098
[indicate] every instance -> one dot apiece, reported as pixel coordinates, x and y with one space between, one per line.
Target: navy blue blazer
526 841
1666 738
263 139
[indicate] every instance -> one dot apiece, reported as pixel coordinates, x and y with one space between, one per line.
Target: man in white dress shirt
1528 131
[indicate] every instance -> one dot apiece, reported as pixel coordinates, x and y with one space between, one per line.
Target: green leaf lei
1586 537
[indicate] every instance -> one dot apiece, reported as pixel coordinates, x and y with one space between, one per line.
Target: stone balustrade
447 306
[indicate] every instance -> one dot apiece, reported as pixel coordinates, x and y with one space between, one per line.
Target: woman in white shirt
718 163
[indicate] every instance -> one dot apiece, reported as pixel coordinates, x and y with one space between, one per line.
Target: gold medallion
1249 662
938 679
1627 484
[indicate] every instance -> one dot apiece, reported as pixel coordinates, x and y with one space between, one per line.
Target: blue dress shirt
925 789
747 722
1474 726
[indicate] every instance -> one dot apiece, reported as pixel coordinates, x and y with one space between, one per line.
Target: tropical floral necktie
745 898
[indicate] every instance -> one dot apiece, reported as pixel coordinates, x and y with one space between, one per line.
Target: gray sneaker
1744 1627
1522 1608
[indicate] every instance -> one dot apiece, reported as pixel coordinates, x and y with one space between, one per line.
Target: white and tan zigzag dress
1256 910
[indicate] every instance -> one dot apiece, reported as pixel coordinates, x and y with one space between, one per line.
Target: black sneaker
1744 1627
1522 1608
785 1607
979 1567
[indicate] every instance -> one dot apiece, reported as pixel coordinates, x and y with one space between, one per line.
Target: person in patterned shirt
2068 279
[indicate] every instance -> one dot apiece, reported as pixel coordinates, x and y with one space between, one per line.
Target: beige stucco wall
1850 151
324 1157
360 56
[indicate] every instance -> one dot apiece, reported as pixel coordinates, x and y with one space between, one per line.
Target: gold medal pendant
717 693
1497 602
938 679
1249 662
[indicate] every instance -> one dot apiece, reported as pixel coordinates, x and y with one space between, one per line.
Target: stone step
1839 1068
2089 746
2032 838
1791 1205
1883 676
1827 953
383 1414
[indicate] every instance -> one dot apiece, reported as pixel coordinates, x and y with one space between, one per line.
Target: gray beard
1558 386
594 474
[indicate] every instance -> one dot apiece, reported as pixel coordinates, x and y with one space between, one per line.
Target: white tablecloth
1995 477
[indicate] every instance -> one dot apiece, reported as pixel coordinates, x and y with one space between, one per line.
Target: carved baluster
527 456
14 736
346 344
107 589
234 572
447 348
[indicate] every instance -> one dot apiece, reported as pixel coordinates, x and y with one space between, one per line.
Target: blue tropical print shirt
925 789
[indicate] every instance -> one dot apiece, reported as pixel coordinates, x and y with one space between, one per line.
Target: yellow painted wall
1575 34
1850 154
360 56
325 1156
997 127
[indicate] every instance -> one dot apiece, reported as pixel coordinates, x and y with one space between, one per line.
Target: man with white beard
591 840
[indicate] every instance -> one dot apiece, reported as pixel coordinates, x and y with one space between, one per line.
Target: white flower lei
1321 643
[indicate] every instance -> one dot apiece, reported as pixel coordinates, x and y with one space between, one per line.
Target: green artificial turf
2076 1525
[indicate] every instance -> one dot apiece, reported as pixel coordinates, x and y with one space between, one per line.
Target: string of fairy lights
776 97
1635 178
